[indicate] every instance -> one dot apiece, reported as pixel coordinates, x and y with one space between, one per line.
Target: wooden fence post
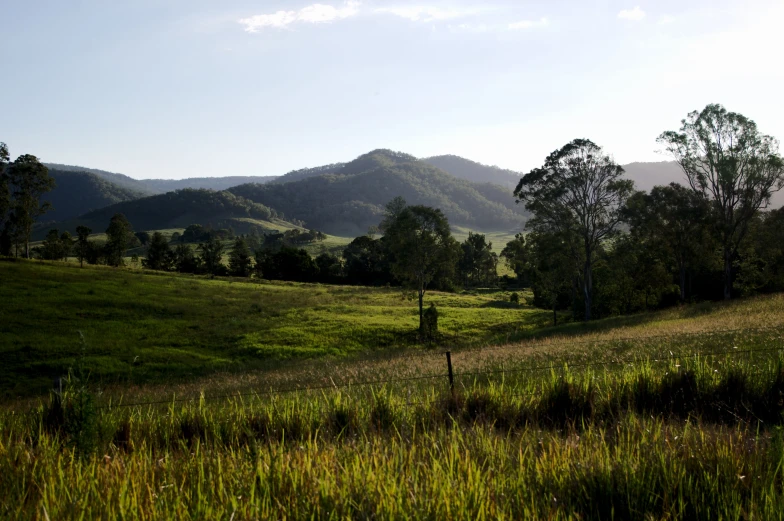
451 377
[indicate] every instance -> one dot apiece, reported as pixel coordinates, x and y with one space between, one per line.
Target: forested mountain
175 210
120 180
79 192
304 173
352 199
475 172
210 183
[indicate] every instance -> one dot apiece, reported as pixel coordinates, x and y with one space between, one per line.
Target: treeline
597 246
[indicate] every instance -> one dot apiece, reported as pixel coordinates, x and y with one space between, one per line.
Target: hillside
120 180
475 172
209 183
352 199
78 192
176 210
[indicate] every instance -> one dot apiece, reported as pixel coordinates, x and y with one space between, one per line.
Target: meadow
675 414
133 326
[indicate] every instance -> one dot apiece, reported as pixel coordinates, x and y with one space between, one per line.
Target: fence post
451 377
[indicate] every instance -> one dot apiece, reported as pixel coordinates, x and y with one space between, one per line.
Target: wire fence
449 376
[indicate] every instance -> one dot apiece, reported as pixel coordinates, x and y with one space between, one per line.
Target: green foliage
421 249
29 181
56 246
579 191
82 244
119 237
478 263
185 261
177 209
211 256
729 162
350 200
159 256
514 255
77 193
240 262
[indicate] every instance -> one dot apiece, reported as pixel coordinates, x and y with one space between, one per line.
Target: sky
192 88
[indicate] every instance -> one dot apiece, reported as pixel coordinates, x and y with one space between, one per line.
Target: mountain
120 180
648 175
78 192
475 172
176 209
352 197
210 183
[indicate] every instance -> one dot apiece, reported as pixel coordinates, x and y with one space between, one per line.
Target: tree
240 263
184 259
515 256
5 190
422 248
119 237
578 190
478 263
330 268
366 262
67 244
671 220
549 267
52 246
82 244
288 263
143 237
212 255
29 180
726 159
159 255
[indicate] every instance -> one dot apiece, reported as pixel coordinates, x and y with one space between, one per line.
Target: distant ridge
463 168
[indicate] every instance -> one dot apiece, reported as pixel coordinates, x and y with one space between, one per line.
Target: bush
514 298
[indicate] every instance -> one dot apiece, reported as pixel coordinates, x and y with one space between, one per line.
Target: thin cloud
312 14
427 13
635 14
528 24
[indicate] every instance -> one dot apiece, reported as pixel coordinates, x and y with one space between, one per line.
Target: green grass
675 414
140 326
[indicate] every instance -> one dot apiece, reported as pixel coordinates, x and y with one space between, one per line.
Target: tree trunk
727 273
587 287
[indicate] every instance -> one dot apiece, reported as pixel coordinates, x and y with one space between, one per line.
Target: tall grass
676 442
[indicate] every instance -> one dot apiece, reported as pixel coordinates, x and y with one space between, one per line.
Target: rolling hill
352 196
120 180
78 192
177 209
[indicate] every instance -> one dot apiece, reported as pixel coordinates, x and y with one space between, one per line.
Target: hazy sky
179 88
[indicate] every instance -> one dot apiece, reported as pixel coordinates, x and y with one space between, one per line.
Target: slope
210 183
348 202
177 209
475 172
79 192
120 180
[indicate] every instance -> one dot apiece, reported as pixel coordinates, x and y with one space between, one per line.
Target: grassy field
668 415
135 326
